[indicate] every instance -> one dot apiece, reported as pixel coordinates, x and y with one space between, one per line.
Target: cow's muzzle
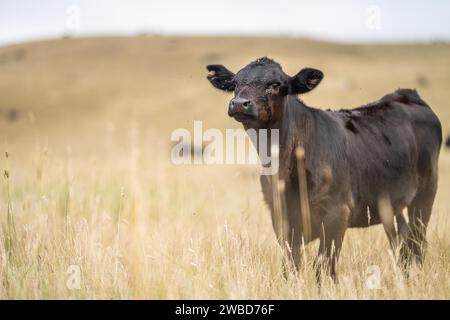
242 109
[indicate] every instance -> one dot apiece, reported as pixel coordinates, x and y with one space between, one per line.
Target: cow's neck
295 124
298 121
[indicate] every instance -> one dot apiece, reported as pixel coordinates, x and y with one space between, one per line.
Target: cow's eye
274 85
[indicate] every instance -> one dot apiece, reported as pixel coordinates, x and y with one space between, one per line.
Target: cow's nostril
239 103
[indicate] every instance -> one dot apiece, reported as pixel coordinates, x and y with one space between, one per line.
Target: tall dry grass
139 227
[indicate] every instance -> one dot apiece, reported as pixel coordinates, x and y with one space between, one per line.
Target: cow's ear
220 77
304 81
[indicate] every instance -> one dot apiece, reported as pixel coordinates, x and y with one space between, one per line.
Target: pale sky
344 20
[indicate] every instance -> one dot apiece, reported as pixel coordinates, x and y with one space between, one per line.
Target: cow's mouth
243 117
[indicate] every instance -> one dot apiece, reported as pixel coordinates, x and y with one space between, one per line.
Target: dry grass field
87 179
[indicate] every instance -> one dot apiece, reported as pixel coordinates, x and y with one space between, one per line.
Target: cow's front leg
334 225
282 238
293 253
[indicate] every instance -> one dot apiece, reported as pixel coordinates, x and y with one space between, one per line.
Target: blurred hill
73 89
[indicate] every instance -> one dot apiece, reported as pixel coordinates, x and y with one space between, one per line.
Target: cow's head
260 89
